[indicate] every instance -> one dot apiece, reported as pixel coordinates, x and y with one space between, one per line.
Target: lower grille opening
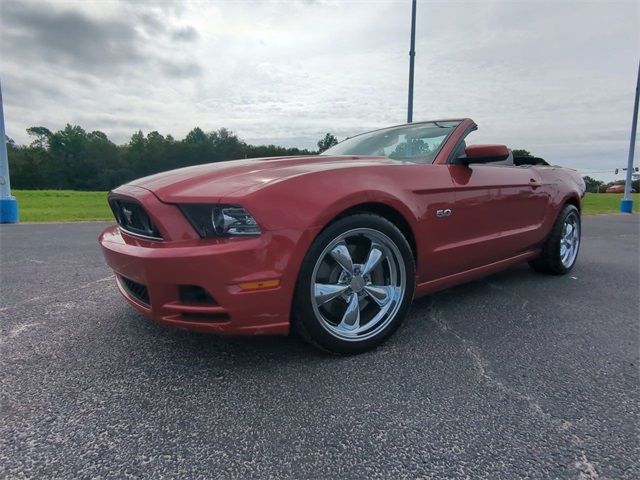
136 290
195 294
204 317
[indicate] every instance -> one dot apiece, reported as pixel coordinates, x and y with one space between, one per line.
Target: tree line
597 186
75 159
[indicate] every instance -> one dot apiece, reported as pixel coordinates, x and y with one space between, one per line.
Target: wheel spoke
373 259
326 292
381 294
351 317
340 254
569 229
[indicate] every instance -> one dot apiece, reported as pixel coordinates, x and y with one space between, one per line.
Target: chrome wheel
569 240
358 284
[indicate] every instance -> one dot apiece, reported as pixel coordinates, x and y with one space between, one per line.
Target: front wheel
560 250
355 285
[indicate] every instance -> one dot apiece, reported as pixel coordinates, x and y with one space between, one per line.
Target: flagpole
626 204
412 54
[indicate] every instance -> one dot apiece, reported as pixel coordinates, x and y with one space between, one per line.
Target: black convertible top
527 160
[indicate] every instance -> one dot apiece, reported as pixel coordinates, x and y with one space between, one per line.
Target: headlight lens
220 220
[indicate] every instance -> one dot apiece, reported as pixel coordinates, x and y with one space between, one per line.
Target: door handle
533 183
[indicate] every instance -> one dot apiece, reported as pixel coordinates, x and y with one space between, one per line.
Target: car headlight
220 220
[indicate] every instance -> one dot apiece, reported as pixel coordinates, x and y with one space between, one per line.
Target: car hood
213 181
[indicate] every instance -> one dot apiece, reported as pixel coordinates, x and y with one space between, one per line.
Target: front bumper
218 266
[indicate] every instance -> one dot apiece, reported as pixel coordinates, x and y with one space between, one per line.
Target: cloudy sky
556 78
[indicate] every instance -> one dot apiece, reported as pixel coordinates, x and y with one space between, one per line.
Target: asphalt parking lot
518 375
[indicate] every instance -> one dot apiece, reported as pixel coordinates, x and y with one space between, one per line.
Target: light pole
626 204
412 54
8 204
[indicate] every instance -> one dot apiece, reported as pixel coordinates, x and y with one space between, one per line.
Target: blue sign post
8 204
626 205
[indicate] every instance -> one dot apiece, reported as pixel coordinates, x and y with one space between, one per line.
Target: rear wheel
355 285
560 250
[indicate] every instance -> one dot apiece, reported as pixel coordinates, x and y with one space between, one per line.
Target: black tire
550 260
311 321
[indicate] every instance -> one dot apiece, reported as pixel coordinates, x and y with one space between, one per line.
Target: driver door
498 212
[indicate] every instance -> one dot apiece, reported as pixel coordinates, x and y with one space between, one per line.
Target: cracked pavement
519 375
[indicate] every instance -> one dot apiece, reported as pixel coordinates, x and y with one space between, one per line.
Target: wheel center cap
357 284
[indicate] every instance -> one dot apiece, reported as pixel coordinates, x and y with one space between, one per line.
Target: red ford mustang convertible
335 246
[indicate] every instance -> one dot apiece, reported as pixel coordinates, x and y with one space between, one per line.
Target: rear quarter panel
565 186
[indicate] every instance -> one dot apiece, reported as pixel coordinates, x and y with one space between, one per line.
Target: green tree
519 152
327 142
26 165
226 145
593 185
41 134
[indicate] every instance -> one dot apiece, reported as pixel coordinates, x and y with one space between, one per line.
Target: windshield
418 142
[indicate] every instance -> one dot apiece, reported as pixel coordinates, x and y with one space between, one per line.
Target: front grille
136 290
133 219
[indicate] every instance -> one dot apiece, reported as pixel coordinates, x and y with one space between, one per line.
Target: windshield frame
416 160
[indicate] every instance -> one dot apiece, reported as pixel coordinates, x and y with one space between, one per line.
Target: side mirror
483 154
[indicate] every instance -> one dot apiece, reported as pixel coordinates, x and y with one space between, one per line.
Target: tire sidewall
303 315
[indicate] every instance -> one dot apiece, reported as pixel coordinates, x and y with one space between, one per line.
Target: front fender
311 201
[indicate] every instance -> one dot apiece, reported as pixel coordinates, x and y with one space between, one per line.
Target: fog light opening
195 294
